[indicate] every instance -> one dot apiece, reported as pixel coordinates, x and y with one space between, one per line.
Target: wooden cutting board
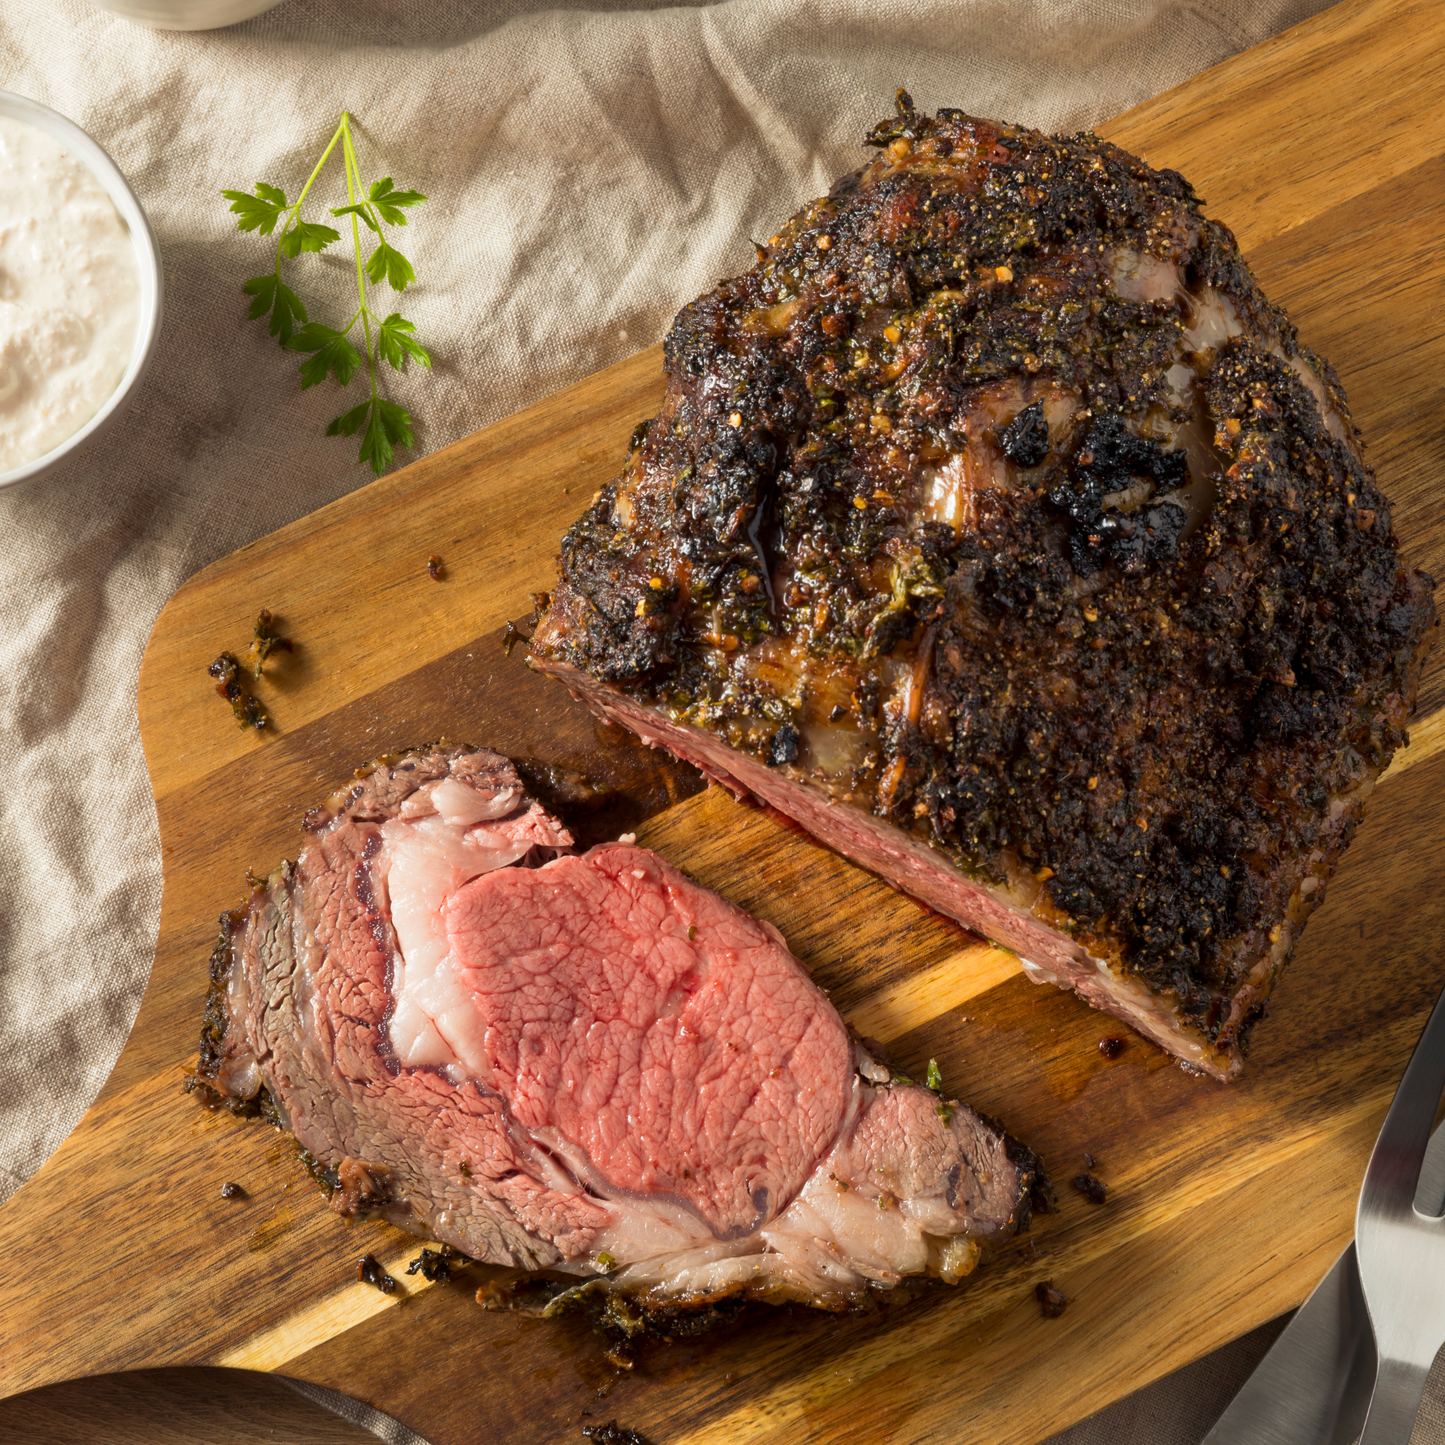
1325 150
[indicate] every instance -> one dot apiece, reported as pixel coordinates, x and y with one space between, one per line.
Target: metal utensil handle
1394 1167
1399 1388
1313 1387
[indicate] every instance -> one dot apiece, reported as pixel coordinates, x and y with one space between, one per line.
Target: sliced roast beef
1000 531
583 1063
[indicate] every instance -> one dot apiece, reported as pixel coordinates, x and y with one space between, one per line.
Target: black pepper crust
1155 714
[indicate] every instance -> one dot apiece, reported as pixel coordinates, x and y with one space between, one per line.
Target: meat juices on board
588 1063
997 529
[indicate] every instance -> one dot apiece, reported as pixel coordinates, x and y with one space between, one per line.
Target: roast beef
581 1063
999 530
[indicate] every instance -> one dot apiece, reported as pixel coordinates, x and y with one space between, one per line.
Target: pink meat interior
652 1024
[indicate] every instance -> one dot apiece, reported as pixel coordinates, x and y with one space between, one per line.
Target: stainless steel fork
1401 1245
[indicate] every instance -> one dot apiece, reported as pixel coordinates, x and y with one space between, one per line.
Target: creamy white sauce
69 294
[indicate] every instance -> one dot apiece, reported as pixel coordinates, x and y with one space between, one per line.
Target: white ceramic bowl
148 268
186 14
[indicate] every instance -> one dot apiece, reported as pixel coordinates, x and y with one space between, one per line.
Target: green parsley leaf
394 342
339 359
397 421
390 426
275 296
308 236
360 209
375 447
387 261
263 288
259 212
349 422
387 201
935 1077
312 337
289 310
335 355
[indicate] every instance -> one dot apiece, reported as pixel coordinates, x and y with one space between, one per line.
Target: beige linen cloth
590 170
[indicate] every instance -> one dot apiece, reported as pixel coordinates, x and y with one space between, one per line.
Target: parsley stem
296 208
331 146
353 179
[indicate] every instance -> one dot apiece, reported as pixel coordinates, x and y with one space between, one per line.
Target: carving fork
1401 1246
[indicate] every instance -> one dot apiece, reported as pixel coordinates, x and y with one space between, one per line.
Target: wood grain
174 1407
1324 149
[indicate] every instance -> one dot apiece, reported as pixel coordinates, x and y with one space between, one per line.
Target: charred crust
1035 1190
1110 459
261 1106
325 1178
1154 723
783 746
626 1317
1025 439
216 1020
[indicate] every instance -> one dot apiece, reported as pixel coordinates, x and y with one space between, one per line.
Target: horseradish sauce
69 294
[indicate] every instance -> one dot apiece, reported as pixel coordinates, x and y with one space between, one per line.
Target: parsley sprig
384 424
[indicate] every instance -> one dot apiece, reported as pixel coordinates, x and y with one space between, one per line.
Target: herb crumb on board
369 1271
1051 1301
435 1265
613 1434
264 641
245 706
230 673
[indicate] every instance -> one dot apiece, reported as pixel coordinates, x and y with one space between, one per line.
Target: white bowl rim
148 264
